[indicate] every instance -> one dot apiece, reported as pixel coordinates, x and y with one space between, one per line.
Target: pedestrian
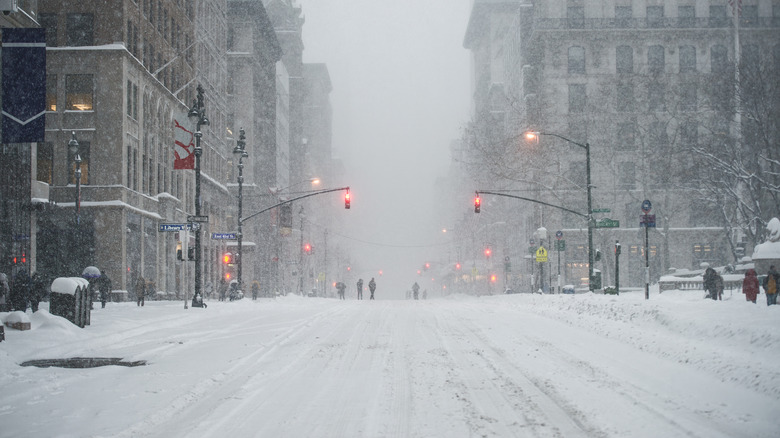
718 287
255 289
708 279
222 289
372 287
416 290
750 285
104 288
425 294
771 281
5 293
140 290
341 288
37 291
360 288
20 291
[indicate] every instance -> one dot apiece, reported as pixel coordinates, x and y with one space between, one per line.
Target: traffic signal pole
289 201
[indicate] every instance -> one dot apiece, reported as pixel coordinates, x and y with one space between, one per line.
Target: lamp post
586 146
240 152
73 146
197 117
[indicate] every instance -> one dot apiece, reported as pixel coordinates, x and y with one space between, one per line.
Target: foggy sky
400 95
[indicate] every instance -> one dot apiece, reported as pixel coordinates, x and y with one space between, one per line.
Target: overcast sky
400 95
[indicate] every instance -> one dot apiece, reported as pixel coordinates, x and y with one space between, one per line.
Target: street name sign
647 220
197 218
607 223
174 227
223 236
601 210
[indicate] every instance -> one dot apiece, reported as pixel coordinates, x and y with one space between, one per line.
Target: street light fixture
197 117
73 146
240 152
531 135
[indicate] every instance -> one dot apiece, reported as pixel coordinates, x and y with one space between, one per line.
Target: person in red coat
750 285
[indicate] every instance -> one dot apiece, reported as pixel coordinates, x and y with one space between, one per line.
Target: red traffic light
488 252
493 278
347 200
307 248
477 203
227 258
457 265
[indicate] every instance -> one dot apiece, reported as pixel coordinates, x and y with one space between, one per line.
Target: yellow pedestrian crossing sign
541 255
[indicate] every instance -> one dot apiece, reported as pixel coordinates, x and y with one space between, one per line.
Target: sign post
647 220
560 245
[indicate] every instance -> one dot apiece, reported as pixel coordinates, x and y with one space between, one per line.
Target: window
686 16
718 59
655 16
687 59
688 97
749 16
749 56
624 97
129 166
623 16
624 59
135 101
627 176
45 162
577 98
79 30
84 155
658 137
655 59
51 92
576 60
776 56
656 95
576 17
718 16
626 135
78 90
129 98
49 22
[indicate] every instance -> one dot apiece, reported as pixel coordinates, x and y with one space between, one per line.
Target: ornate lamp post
586 146
73 146
240 152
197 117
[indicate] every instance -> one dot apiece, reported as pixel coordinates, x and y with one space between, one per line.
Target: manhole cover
82 362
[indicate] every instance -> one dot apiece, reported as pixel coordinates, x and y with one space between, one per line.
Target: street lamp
197 117
73 146
531 135
240 152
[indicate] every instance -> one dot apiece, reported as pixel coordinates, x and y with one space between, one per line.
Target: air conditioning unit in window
8 6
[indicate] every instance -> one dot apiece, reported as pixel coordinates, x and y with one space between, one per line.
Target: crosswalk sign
541 255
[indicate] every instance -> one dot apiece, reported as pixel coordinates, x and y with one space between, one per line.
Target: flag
736 6
183 144
24 85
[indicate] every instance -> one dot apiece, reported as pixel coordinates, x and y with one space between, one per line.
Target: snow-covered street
519 365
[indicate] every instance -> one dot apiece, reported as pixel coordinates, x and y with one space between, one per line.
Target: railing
645 23
696 283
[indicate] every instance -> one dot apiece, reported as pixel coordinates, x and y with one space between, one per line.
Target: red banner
184 146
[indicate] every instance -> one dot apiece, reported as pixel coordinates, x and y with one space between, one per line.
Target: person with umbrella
104 288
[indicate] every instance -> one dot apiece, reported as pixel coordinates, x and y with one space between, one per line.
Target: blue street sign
559 235
224 236
646 206
174 227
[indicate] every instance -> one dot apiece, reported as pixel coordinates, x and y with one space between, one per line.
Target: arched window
624 59
655 59
576 60
687 59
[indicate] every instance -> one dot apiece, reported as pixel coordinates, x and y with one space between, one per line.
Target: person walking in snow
360 288
140 290
718 287
416 290
37 290
5 293
750 285
104 288
222 289
341 287
771 282
708 280
372 287
20 291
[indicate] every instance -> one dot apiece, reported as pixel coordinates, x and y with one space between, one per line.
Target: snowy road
514 366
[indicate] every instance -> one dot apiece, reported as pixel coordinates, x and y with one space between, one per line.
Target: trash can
70 300
596 279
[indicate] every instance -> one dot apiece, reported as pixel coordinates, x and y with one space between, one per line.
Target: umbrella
91 272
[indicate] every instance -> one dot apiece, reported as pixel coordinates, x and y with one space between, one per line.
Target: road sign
197 218
647 220
560 245
601 210
174 227
646 206
559 235
531 250
607 223
223 236
541 255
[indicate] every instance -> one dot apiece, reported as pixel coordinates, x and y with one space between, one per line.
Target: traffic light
493 278
347 200
227 258
427 266
457 266
307 248
477 203
488 252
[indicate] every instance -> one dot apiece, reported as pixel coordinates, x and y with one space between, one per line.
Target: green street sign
607 223
560 245
601 210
